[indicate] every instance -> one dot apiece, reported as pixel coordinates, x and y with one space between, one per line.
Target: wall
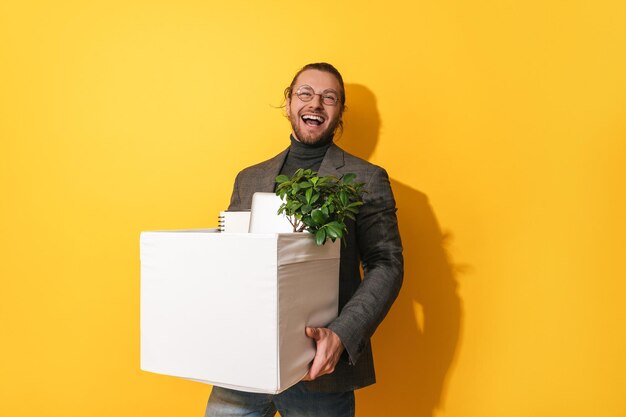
501 123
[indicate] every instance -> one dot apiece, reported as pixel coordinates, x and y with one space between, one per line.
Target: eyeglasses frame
322 95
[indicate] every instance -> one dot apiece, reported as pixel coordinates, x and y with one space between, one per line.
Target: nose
317 101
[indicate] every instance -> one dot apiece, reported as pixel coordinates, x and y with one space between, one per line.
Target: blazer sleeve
235 198
380 249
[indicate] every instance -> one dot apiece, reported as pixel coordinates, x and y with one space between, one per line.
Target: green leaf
308 194
336 227
282 178
331 231
294 205
317 216
320 237
348 177
343 197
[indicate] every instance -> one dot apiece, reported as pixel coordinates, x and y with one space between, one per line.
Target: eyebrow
328 90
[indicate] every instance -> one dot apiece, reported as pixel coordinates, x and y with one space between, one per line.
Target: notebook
264 216
234 221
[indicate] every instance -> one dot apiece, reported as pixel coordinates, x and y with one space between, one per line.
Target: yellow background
508 115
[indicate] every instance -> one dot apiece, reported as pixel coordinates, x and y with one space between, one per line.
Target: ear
287 107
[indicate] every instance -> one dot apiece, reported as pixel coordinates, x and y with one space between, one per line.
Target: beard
313 139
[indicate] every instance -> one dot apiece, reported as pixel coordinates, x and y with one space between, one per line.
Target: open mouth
312 119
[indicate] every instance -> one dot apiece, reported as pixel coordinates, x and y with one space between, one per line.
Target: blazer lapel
333 160
268 182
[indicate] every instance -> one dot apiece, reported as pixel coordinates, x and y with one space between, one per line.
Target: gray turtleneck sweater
304 156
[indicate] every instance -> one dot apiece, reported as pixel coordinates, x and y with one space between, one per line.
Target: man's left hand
328 351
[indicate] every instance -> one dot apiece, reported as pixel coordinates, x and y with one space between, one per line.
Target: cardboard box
231 309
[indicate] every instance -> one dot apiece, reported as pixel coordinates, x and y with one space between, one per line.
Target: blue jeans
293 402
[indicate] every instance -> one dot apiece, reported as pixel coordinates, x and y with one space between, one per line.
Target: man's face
313 120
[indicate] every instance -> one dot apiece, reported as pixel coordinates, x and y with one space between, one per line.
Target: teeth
313 117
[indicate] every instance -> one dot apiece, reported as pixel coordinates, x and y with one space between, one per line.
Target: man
343 362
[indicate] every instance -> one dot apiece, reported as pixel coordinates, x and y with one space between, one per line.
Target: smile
312 119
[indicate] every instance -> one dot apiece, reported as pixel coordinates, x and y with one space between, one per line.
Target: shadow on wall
415 345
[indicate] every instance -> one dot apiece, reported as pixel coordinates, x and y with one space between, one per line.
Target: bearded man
315 102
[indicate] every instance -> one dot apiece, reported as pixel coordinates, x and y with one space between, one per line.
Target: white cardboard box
231 309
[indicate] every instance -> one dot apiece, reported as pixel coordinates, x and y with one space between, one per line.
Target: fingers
314 370
328 349
313 332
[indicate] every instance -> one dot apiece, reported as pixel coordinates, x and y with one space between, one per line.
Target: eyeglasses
306 94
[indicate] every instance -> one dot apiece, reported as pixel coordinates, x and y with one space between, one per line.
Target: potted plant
319 205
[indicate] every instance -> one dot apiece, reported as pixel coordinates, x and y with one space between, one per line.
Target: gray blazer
373 241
